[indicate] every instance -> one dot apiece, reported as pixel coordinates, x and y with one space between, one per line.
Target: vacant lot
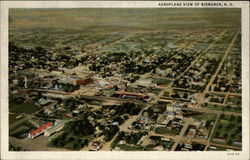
17 105
23 108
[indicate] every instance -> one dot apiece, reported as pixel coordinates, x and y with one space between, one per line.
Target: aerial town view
125 79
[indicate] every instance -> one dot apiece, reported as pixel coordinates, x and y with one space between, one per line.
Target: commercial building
40 130
131 95
55 128
84 81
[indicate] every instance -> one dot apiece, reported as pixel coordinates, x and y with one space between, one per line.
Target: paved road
201 54
225 93
225 99
225 146
221 62
182 37
183 131
221 104
212 132
206 110
190 140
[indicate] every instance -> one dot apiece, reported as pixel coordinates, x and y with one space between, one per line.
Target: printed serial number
233 154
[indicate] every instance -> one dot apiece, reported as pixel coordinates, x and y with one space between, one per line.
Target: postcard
124 80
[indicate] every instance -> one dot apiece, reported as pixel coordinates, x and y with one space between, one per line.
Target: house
179 115
43 102
170 108
191 133
171 115
177 106
159 148
96 146
188 146
237 143
115 123
57 72
141 140
219 139
143 120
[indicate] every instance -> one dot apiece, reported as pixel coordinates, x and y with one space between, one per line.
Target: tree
230 126
225 135
222 116
232 118
79 128
110 133
220 126
217 133
239 119
229 107
185 95
229 141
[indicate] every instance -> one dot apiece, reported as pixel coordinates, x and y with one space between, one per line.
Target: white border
5 154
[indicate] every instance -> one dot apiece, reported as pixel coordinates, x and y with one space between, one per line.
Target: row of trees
110 132
68 141
70 138
79 128
70 87
131 138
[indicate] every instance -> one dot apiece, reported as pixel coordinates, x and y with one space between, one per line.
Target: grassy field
204 116
164 130
23 108
21 130
12 118
129 148
160 81
236 100
223 108
228 128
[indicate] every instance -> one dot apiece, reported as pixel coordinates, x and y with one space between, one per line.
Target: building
96 146
145 82
170 107
84 81
40 130
171 115
131 95
191 133
67 80
177 106
57 72
43 102
55 128
219 139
